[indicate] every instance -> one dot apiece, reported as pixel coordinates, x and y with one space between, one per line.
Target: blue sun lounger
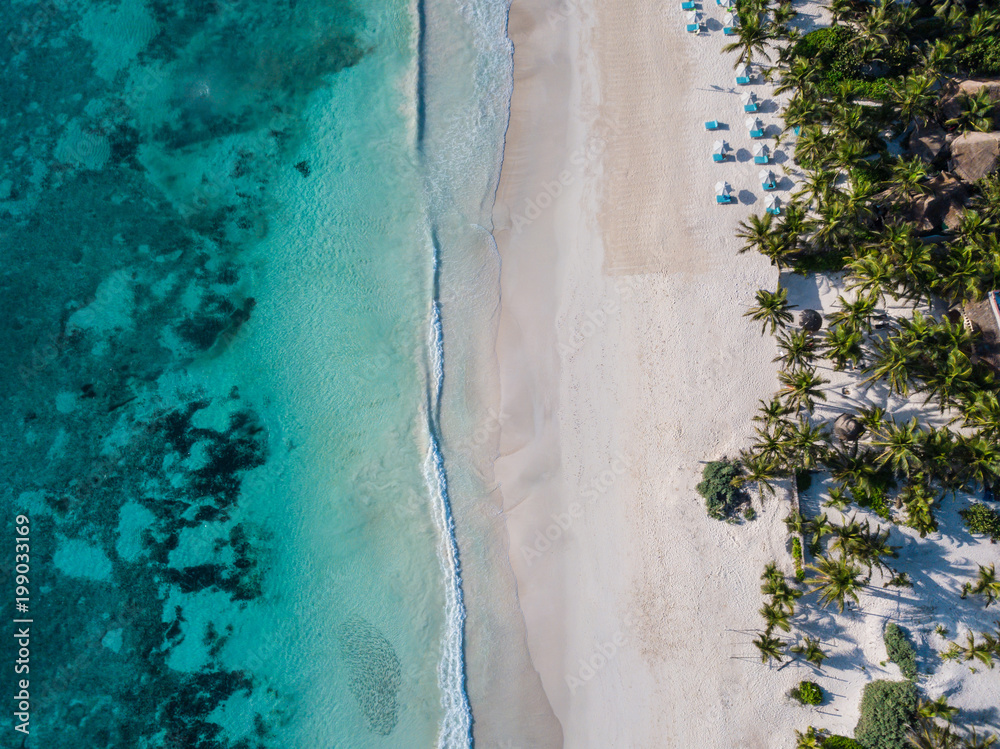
718 157
769 184
712 125
775 211
743 80
756 133
730 30
694 28
751 107
764 158
723 199
688 5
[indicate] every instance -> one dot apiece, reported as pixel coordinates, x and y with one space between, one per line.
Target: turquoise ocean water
246 269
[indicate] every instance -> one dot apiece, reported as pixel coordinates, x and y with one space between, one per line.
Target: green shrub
722 498
840 742
750 513
887 709
982 519
981 56
900 650
800 573
808 693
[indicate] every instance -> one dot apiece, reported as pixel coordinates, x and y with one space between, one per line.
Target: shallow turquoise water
225 226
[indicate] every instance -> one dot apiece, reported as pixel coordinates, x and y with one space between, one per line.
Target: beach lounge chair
761 155
767 181
688 5
750 102
722 195
744 77
731 25
724 3
720 150
712 125
694 22
755 127
773 205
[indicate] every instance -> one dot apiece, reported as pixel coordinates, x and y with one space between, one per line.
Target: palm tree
871 546
772 443
972 649
802 388
785 595
817 527
798 349
915 97
856 314
908 176
986 585
926 734
980 460
842 346
808 740
759 470
947 381
938 708
835 580
901 447
819 184
810 650
754 37
795 523
772 309
870 274
808 442
838 500
771 648
846 536
756 231
983 414
976 114
772 413
892 362
972 741
776 616
918 501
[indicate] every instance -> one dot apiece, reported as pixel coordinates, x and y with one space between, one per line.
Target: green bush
840 742
808 693
722 498
982 519
887 709
980 56
800 573
900 650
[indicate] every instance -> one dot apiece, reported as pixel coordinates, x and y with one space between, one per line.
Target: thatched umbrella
848 429
810 320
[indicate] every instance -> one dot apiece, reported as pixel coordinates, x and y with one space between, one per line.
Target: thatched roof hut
848 429
810 320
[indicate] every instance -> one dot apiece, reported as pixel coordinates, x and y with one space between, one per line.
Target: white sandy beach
626 362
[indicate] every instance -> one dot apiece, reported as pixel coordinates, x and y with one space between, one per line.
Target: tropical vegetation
900 650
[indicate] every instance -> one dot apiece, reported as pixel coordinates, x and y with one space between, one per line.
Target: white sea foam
456 725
